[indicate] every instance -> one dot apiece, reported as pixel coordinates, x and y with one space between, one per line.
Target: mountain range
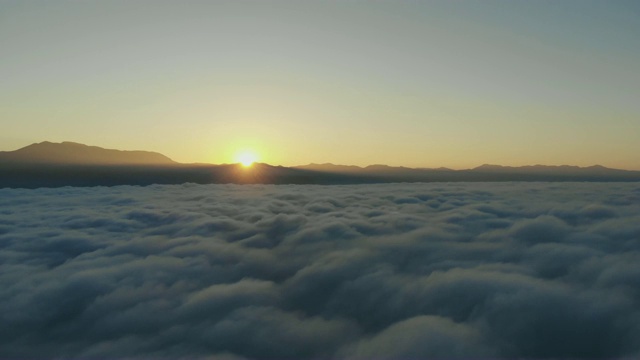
73 153
48 164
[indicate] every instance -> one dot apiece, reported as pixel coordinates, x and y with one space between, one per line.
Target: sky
410 83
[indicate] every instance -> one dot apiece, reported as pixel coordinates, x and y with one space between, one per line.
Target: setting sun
246 158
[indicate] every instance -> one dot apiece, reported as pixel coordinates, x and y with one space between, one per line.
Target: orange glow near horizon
246 158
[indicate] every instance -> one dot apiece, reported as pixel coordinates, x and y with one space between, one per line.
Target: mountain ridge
483 167
68 152
49 164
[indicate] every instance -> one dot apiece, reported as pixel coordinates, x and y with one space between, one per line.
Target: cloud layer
383 271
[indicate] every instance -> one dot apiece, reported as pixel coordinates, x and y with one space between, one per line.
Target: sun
246 158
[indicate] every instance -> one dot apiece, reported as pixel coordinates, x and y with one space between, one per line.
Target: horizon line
329 163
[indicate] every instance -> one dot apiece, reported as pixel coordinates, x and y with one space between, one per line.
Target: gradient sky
413 83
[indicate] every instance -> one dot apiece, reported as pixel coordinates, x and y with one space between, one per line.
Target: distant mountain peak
545 168
597 167
489 167
68 152
329 167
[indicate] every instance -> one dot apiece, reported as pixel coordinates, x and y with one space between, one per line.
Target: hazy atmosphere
411 83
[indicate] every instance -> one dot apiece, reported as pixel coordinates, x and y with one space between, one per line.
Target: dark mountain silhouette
376 169
328 167
385 173
567 169
74 153
70 164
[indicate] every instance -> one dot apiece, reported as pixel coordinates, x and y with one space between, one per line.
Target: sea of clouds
367 271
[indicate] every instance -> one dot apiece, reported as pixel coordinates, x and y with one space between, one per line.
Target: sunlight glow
246 158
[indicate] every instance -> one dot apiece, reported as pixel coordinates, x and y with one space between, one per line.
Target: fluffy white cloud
385 271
